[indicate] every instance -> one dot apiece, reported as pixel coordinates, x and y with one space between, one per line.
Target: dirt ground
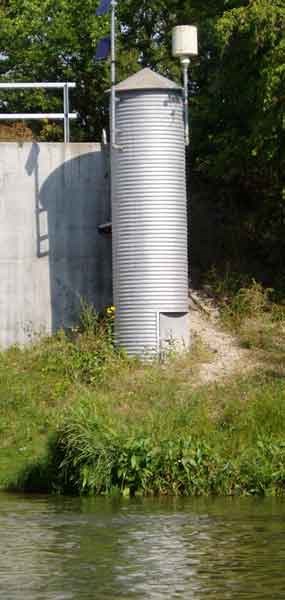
226 356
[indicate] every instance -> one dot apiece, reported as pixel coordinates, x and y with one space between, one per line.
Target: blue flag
103 7
103 48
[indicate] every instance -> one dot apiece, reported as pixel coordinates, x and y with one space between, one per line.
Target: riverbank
77 417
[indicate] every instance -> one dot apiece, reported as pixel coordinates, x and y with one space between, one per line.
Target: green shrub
238 449
246 303
77 416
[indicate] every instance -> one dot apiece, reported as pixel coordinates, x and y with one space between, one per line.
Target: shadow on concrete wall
69 206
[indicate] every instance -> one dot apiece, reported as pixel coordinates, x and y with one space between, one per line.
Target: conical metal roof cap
146 79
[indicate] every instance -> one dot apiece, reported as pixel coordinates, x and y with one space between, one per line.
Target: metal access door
174 331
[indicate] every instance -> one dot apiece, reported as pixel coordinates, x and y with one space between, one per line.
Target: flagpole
113 74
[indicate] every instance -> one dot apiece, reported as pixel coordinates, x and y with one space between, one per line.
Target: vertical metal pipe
185 63
113 74
66 113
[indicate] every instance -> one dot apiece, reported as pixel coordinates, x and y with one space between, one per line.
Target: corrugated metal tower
150 266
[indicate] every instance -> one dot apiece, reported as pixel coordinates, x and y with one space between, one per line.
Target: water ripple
81 549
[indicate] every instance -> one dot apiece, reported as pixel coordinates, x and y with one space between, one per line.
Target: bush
238 449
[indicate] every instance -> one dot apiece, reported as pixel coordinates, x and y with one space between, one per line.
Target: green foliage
248 302
237 450
237 115
147 431
86 351
78 417
236 93
251 313
36 381
46 41
55 40
224 285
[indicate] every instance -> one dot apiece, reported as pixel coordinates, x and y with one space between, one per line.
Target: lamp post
113 74
184 45
105 45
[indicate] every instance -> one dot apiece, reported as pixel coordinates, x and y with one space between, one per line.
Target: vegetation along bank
78 417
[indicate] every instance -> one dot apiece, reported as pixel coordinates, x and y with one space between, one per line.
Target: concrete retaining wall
52 198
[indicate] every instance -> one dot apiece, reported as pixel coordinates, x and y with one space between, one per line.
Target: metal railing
65 116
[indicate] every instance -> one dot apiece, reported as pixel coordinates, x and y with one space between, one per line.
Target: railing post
66 113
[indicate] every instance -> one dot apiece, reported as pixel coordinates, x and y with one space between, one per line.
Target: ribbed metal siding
148 215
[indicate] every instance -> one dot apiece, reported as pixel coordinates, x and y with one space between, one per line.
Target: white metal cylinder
150 272
184 41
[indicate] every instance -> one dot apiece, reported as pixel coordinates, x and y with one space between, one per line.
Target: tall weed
259 322
248 302
116 425
237 449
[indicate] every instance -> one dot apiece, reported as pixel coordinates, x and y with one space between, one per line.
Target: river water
81 549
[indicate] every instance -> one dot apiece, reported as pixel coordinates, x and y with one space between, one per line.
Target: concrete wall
52 197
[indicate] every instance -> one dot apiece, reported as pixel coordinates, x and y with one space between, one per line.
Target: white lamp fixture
184 45
184 41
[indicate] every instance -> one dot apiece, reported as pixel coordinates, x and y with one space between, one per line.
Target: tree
244 146
55 40
237 87
236 109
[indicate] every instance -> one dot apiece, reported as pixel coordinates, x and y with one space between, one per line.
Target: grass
78 417
253 315
171 439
